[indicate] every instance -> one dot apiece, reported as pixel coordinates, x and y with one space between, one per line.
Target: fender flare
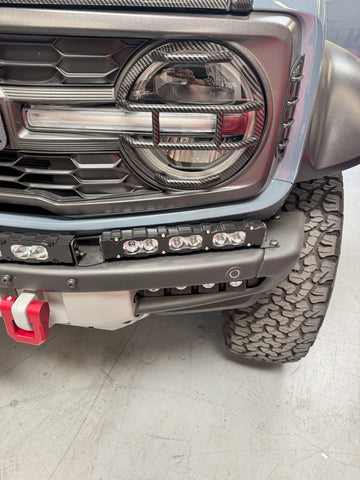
333 142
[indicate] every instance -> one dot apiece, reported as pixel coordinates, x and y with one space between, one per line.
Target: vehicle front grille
30 60
82 176
85 171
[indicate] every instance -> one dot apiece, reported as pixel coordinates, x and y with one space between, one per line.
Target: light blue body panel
276 189
343 24
312 17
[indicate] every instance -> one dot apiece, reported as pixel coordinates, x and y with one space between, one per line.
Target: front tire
282 326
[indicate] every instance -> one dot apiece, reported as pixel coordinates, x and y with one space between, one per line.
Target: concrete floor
162 400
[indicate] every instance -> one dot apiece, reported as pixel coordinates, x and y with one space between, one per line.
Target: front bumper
267 265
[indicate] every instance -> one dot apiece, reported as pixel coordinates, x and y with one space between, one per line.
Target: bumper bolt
6 279
72 283
274 243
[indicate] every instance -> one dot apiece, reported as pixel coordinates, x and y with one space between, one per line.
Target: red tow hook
38 314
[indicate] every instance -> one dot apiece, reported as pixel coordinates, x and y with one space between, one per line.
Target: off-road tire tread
282 326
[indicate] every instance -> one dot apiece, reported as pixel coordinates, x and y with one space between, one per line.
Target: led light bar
113 120
195 289
144 242
36 248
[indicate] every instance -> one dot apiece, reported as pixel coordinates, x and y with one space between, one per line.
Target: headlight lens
193 82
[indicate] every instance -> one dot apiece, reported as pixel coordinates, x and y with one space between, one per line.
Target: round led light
194 241
20 251
150 245
235 284
181 288
209 285
177 243
38 252
154 290
220 239
131 246
237 238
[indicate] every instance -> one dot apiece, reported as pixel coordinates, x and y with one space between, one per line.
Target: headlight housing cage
152 157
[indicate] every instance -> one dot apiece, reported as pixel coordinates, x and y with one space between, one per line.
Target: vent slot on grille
296 77
84 176
63 61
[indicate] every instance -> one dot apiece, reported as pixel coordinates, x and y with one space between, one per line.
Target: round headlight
184 81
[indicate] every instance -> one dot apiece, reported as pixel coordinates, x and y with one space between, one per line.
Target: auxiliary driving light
193 242
182 239
33 252
220 239
149 245
236 238
176 243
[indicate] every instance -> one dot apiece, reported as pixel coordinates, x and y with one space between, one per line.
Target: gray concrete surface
161 400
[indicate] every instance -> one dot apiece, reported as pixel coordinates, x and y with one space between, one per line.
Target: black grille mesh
83 61
78 176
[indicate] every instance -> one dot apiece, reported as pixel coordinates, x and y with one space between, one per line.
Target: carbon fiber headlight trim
243 146
224 5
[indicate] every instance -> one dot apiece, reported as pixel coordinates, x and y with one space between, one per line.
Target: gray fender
334 139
